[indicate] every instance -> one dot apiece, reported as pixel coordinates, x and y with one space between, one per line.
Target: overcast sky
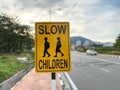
98 20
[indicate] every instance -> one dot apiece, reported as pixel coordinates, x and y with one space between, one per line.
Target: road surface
95 72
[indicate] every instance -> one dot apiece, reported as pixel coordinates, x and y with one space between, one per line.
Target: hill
78 38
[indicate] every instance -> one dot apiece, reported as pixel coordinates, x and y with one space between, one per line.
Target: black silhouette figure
58 46
46 47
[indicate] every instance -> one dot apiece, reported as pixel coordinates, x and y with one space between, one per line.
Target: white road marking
107 61
74 87
82 61
98 59
105 70
91 65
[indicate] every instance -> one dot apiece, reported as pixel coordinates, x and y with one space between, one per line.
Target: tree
117 43
13 35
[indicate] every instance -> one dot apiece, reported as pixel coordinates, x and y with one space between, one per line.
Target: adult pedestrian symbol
52 47
46 47
58 46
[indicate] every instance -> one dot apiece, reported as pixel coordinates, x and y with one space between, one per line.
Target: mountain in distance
78 38
85 41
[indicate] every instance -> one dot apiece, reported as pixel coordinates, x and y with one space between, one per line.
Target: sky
98 20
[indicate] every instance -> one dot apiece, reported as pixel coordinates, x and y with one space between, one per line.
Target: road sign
52 47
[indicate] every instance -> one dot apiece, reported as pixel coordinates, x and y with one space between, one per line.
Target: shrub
114 52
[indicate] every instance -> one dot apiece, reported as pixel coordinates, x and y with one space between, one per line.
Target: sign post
53 81
52 47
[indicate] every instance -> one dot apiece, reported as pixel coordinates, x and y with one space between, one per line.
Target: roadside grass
104 50
9 65
114 52
101 50
107 50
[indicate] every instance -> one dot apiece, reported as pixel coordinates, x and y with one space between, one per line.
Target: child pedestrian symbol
58 46
46 47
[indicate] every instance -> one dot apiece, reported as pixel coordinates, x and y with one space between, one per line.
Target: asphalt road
95 72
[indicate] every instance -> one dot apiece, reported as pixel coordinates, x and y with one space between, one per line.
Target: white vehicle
91 52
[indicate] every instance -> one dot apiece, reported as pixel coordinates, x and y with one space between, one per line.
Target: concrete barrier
9 83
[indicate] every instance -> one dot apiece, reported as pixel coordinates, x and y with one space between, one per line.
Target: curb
68 84
61 82
108 55
20 81
112 56
65 85
9 83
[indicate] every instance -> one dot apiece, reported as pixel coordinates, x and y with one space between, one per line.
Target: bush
81 49
114 52
104 50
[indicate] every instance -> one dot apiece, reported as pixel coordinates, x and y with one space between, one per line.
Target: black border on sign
68 46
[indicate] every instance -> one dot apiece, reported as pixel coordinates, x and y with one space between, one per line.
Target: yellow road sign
52 47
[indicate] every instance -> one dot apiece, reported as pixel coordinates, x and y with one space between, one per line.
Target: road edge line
73 86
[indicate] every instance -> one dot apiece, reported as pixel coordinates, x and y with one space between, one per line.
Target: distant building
78 43
73 46
108 44
87 43
97 44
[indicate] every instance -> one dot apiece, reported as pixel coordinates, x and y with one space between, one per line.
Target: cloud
113 3
93 19
97 21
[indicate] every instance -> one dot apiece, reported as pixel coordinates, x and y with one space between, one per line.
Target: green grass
107 50
103 50
114 52
9 65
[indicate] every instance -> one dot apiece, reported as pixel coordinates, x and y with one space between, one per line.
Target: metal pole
53 75
53 81
50 12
